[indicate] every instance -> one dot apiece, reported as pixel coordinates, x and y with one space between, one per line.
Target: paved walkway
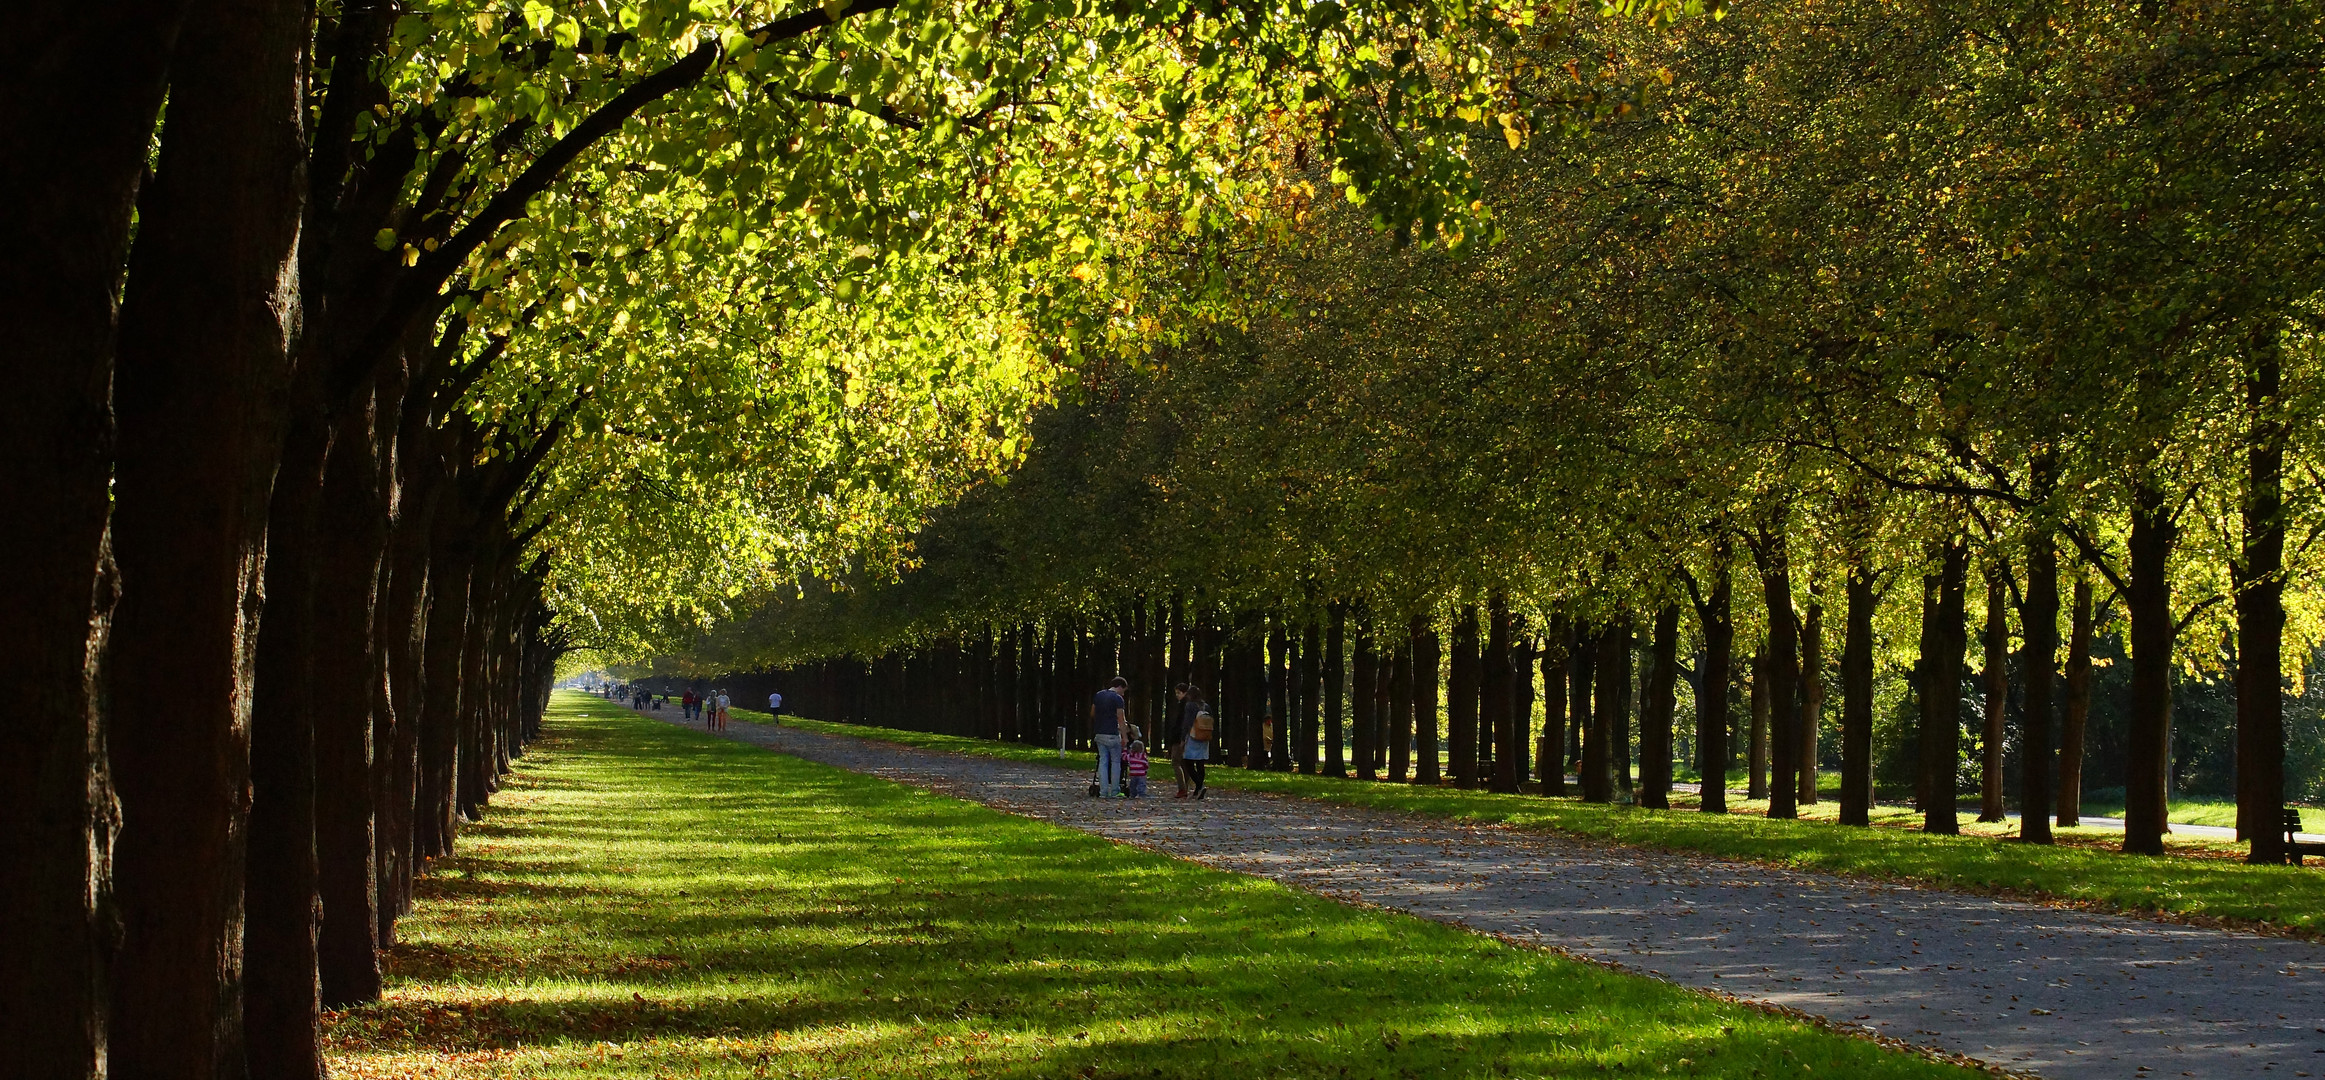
2060 992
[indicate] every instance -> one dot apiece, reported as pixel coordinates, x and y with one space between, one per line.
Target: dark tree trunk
1428 660
403 643
2039 624
282 1006
80 86
1712 719
1395 692
1756 787
1996 679
438 805
1312 688
1518 739
1857 696
2260 614
1496 696
2076 712
1941 706
206 326
1335 648
1626 707
1280 704
1550 759
1461 689
1661 706
1773 556
1579 700
1365 695
1811 697
349 547
2147 765
1613 649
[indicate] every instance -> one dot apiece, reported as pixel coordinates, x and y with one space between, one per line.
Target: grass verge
2199 881
643 901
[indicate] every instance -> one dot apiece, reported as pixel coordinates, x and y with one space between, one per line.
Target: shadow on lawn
748 914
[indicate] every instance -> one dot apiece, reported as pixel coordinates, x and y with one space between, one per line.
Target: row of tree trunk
1333 694
272 615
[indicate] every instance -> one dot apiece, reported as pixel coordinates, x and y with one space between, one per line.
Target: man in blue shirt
1108 713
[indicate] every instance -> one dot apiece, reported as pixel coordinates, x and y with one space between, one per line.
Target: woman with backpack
1195 749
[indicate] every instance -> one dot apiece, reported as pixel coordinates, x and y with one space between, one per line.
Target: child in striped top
1134 769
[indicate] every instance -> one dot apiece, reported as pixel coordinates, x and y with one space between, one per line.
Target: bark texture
80 86
2039 622
2075 714
1857 698
1712 713
206 332
2147 759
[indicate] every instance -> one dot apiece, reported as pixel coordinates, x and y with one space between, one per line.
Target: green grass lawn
2192 810
2200 880
644 901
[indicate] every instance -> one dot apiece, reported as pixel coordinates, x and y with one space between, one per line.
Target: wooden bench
2294 848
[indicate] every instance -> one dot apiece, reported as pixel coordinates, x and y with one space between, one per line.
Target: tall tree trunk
2076 714
349 547
2146 778
204 357
450 567
2260 613
1579 700
1550 759
1711 706
1996 678
1606 714
1517 746
2039 624
1773 557
282 1006
1941 722
403 641
1757 786
1662 704
1857 696
1335 653
1626 707
1365 697
1811 696
1461 690
1495 696
1281 688
1428 661
80 86
1398 723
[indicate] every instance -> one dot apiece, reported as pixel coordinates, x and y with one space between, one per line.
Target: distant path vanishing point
2064 993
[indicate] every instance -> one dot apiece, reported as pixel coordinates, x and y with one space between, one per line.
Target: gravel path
2060 992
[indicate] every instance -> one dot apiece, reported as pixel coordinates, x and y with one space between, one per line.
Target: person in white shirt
775 707
719 715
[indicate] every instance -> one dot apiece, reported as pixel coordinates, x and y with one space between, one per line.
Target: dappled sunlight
696 908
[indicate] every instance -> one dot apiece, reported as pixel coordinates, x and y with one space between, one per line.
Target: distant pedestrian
718 711
686 704
1195 749
1175 734
1108 715
775 707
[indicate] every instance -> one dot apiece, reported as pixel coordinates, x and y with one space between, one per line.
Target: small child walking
1134 769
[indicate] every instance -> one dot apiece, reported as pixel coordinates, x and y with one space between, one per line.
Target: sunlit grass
2198 878
644 901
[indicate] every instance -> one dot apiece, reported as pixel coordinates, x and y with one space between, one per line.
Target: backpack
1201 731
